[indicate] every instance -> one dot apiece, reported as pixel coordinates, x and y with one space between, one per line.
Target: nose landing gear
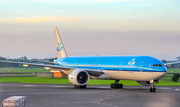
152 89
116 85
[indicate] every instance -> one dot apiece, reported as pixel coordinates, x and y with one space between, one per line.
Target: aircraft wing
171 63
90 71
40 65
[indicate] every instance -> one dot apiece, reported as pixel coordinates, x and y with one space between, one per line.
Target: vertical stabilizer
59 45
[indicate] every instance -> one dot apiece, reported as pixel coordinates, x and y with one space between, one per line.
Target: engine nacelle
79 77
144 83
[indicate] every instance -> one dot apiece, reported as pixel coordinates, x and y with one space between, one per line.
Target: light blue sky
90 27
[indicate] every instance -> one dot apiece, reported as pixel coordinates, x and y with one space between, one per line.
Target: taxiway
59 95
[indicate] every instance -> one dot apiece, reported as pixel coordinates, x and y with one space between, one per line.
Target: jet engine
144 83
79 77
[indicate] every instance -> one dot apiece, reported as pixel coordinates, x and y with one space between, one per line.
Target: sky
90 27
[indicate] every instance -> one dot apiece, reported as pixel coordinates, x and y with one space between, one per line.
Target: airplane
146 70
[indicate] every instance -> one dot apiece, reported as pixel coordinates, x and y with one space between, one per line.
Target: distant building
168 66
178 58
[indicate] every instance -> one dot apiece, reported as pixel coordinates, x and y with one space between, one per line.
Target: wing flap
95 73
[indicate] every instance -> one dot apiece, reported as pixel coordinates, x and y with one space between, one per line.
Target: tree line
173 65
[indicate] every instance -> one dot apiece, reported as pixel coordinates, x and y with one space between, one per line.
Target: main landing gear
79 86
152 89
116 85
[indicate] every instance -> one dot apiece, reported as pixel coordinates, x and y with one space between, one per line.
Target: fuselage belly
137 76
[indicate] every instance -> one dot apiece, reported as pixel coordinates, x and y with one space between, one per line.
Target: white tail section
59 45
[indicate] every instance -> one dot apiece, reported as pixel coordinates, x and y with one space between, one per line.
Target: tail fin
59 44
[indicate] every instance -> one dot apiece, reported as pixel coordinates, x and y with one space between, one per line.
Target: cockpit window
158 65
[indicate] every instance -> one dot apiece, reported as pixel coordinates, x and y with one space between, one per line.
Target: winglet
59 45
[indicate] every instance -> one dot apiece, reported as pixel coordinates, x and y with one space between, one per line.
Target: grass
173 70
41 80
167 78
66 81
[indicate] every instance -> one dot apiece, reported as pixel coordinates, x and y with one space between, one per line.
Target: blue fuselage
115 63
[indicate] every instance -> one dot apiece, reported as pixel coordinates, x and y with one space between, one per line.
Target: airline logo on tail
60 47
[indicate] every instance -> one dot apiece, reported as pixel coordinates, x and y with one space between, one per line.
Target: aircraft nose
163 73
165 69
159 75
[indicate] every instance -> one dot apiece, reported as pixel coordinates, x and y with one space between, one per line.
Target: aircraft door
120 66
76 64
95 64
141 66
98 65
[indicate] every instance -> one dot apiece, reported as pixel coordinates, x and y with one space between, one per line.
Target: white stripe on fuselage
132 75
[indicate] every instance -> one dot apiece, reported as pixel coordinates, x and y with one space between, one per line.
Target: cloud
69 1
102 24
80 1
1 20
40 19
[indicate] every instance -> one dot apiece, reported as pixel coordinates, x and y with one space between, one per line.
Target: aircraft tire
116 86
83 86
112 85
120 85
152 89
78 86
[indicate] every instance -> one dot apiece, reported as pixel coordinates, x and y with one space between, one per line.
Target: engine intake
79 77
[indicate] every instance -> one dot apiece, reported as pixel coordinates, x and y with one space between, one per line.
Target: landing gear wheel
152 89
120 85
112 85
79 86
83 86
76 86
116 85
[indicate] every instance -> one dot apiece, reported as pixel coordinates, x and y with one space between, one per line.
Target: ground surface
58 95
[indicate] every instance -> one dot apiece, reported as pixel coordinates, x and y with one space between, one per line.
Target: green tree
175 77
